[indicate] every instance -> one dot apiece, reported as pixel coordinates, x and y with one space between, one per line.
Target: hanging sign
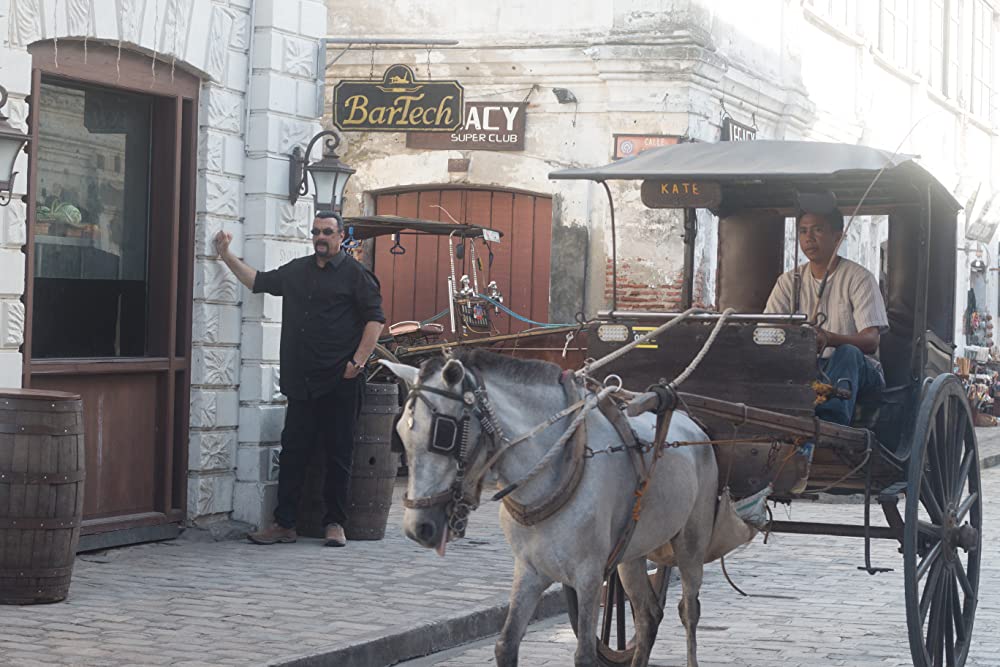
398 103
488 126
734 131
681 194
627 145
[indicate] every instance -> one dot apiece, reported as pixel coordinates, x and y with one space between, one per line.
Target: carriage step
890 495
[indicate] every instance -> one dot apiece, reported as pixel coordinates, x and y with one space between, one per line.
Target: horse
458 413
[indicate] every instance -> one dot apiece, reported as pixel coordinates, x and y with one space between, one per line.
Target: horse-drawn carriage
470 310
913 440
748 381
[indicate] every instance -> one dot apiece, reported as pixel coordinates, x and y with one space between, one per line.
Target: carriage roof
769 174
372 226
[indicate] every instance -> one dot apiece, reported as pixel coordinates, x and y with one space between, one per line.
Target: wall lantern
329 175
12 141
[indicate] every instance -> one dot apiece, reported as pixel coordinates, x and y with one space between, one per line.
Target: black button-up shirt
323 315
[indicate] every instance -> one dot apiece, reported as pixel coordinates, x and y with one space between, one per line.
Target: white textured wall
248 121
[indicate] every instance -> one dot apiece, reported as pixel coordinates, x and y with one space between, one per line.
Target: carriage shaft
836 530
826 433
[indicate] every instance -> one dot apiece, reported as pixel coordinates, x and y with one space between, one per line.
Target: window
91 225
943 31
981 66
894 31
837 12
938 45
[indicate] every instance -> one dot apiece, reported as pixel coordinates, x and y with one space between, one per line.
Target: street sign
488 126
734 131
398 103
681 194
627 145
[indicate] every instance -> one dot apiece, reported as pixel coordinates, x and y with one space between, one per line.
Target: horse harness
450 437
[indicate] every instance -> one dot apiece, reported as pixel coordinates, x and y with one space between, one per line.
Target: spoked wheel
376 371
942 536
615 622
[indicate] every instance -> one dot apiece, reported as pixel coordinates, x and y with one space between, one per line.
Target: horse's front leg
648 612
588 596
525 593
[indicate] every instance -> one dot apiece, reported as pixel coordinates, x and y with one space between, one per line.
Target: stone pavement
233 603
184 602
809 606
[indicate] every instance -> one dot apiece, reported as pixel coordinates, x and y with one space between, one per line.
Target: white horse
571 546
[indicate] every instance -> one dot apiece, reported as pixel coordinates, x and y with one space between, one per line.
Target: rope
543 325
736 588
436 317
704 349
620 352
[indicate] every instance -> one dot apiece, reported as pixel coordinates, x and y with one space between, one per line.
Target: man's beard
322 248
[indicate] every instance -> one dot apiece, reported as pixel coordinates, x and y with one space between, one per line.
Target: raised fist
222 241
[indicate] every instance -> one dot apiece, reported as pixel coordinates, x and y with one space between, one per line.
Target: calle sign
681 194
398 103
488 126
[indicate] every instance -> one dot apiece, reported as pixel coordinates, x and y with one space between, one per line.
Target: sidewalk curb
426 639
990 461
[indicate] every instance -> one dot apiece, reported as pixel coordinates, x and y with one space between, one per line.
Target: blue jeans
848 364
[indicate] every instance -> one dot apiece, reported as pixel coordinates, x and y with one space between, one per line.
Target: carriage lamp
329 175
12 141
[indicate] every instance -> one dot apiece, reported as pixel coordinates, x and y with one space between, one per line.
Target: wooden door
109 274
414 284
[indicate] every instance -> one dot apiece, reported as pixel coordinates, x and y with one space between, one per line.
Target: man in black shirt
331 318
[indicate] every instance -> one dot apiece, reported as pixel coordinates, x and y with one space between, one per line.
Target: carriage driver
847 339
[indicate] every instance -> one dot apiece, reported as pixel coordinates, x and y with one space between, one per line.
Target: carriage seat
867 407
408 328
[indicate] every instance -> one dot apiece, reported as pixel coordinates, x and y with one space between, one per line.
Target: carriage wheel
377 371
614 646
943 528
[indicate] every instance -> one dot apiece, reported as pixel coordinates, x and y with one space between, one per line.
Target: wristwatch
360 367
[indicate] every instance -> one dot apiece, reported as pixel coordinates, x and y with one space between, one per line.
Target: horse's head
441 430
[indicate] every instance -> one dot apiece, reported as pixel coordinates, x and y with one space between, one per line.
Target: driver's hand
822 339
351 371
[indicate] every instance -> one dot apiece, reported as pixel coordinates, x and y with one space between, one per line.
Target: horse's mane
517 370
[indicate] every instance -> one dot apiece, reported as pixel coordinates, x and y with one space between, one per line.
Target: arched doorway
414 284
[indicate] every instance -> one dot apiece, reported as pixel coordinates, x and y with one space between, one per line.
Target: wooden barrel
41 493
373 471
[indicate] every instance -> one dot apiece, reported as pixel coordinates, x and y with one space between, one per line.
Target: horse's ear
407 374
453 372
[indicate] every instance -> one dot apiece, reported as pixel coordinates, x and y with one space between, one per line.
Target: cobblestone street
234 603
188 603
809 606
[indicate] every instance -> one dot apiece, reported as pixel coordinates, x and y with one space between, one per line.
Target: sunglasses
329 231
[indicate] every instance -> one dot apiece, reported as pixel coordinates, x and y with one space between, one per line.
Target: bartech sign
398 103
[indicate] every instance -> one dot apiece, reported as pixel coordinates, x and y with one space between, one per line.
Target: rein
450 437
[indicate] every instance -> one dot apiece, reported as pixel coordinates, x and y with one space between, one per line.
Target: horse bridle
450 437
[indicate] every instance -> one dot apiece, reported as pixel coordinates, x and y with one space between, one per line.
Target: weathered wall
672 67
636 66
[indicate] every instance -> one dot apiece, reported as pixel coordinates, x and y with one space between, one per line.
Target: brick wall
636 293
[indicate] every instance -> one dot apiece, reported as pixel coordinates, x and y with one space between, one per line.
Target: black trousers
327 422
